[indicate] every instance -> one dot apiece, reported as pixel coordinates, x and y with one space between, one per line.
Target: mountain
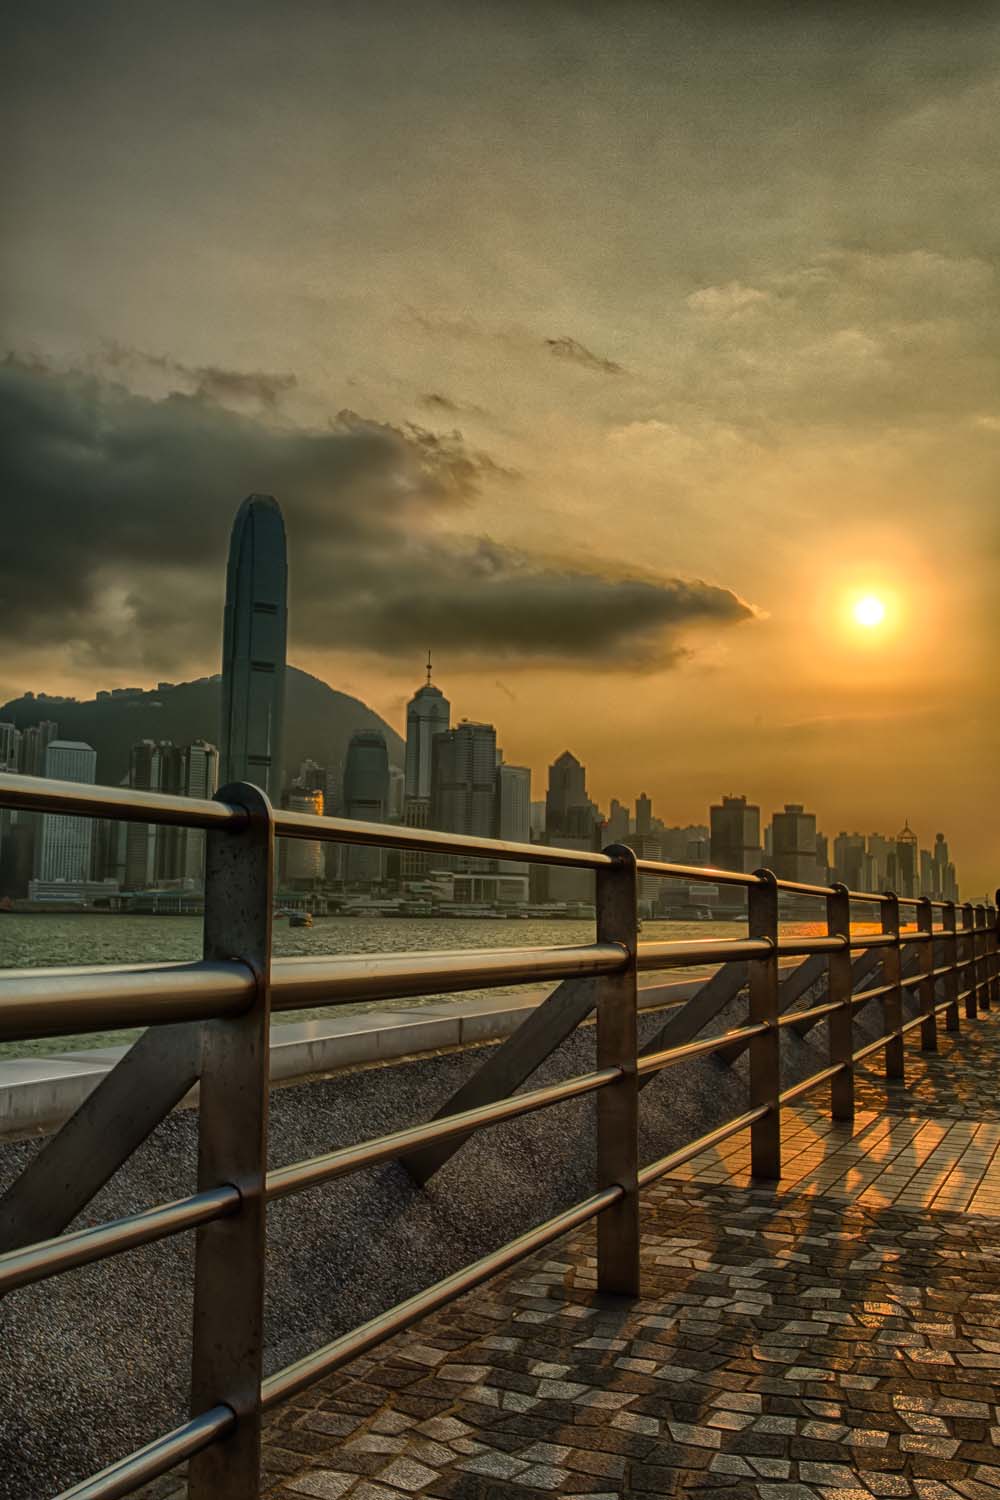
319 721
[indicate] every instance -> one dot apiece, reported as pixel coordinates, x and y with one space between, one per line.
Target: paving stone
323 1484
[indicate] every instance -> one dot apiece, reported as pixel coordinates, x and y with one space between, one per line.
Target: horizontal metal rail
298 983
654 1062
58 1002
307 1174
81 1248
77 799
657 1169
798 1089
793 1017
304 1372
157 1458
882 1041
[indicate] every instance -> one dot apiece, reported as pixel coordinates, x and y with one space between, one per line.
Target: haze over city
642 367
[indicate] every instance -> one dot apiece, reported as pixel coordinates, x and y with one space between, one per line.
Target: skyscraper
253 648
10 747
34 742
305 859
366 797
463 780
428 713
568 809
735 836
793 844
643 814
67 842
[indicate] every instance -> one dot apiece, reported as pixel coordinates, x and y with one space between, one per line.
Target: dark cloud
117 508
569 349
213 382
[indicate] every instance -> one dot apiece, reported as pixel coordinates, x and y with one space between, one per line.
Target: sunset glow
869 612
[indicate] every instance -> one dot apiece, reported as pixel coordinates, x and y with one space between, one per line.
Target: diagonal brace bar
506 1069
714 995
141 1089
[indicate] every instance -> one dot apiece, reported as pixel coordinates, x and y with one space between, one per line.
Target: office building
513 804
366 799
428 713
569 812
35 740
305 859
253 648
735 835
850 862
10 747
903 873
793 844
67 842
619 824
643 814
464 780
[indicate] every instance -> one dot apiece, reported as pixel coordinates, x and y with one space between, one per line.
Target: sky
611 351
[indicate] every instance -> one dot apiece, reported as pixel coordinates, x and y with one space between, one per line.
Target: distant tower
253 648
428 713
366 797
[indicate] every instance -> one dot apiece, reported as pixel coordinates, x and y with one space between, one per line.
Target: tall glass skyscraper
255 629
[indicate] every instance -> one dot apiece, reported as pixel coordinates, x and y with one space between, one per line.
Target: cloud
570 349
212 382
117 510
437 401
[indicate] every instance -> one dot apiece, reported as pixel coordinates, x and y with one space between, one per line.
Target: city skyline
589 365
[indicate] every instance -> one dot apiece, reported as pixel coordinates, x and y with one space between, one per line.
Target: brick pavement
834 1338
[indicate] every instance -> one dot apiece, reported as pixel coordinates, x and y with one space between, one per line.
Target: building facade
255 628
67 843
366 798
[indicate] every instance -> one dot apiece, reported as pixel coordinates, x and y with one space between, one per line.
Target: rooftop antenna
428 668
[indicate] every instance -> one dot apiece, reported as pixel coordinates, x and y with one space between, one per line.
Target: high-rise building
643 814
428 713
735 835
941 861
154 766
849 860
464 780
513 804
366 798
569 811
35 740
10 747
199 777
305 859
877 868
67 842
903 869
253 648
927 882
793 844
619 824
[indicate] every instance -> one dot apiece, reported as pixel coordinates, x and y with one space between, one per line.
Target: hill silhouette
319 721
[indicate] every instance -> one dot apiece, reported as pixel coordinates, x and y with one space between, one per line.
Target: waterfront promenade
835 1337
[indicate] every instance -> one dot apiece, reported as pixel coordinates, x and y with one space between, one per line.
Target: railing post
982 959
950 946
840 989
925 993
229 1264
969 954
618 1105
994 951
765 1050
892 1001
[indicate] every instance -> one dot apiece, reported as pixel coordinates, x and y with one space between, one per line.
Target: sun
869 611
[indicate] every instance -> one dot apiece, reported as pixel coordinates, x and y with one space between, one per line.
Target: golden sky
539 320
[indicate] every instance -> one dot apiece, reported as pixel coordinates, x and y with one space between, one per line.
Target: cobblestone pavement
784 1348
833 1338
957 1082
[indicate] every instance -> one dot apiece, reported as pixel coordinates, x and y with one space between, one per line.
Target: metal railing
209 1024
